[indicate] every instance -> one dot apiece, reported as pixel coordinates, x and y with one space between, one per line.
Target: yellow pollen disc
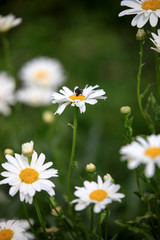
74 97
41 75
151 4
153 152
6 234
98 195
29 175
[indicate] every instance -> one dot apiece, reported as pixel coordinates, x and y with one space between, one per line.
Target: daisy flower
34 96
43 72
156 41
14 230
144 9
100 194
77 98
27 178
8 22
143 151
6 93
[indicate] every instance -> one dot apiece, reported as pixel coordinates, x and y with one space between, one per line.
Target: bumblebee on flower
77 98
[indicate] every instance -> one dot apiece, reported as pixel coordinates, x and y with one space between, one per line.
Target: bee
78 91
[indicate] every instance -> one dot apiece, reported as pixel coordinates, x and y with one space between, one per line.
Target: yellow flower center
41 75
29 175
6 234
153 152
79 97
98 195
151 4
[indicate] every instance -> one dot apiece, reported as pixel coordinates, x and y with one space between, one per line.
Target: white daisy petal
77 98
28 178
8 22
18 228
143 151
144 11
100 194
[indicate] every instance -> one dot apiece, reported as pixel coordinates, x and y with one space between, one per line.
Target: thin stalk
92 222
7 56
106 223
139 77
138 182
27 217
99 227
40 217
156 56
72 153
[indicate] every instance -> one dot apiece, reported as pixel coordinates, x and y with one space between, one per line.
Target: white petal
153 19
61 107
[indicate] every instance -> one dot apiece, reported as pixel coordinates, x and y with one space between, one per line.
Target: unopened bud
27 149
48 116
90 168
9 151
141 35
125 109
108 176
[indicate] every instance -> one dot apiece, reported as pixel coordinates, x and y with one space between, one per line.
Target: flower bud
108 176
90 168
9 151
141 35
27 149
48 116
125 110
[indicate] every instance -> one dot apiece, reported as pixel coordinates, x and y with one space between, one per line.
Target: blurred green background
95 47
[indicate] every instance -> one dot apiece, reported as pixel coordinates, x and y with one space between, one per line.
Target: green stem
139 76
40 217
99 227
156 55
106 224
72 153
27 217
138 181
7 56
92 222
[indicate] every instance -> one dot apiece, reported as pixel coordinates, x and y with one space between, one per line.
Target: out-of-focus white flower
77 98
8 22
90 168
144 9
14 229
156 41
100 194
143 151
34 96
43 72
7 87
27 149
27 178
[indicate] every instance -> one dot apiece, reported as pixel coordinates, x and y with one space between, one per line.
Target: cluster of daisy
40 76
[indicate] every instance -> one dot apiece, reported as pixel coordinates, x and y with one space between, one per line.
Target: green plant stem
157 62
7 56
99 227
40 217
106 223
139 76
72 153
138 182
92 222
27 217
